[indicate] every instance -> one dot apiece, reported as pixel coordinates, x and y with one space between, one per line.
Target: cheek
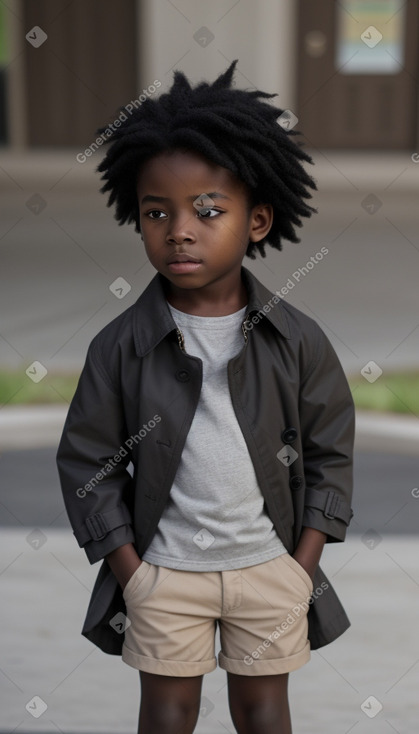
146 229
238 236
148 245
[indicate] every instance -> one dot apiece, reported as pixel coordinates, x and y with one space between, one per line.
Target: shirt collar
153 320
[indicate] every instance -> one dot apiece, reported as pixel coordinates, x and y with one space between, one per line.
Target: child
207 454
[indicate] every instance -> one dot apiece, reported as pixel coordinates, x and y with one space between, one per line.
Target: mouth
186 266
183 263
182 257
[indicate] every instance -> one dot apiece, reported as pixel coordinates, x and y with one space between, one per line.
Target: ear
260 221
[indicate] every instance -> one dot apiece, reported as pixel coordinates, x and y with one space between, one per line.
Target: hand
309 550
123 580
308 567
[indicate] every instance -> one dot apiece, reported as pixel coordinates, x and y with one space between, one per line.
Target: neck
204 302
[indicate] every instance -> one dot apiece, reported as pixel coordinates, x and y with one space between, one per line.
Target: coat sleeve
92 462
327 418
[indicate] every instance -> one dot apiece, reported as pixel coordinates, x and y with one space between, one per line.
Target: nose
181 230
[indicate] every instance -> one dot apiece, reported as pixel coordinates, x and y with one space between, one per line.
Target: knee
169 718
264 718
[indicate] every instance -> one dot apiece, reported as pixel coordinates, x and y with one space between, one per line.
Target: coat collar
153 319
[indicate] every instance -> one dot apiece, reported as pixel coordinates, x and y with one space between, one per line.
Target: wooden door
82 72
357 73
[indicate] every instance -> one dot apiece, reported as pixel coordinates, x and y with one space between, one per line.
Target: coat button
182 375
289 435
296 482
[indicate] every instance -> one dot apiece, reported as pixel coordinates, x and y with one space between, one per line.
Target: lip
182 257
184 267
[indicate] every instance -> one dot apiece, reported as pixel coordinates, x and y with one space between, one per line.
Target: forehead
184 169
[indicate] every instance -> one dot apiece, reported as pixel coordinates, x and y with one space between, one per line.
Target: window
370 36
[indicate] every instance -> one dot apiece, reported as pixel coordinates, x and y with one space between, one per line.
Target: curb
31 427
40 426
390 432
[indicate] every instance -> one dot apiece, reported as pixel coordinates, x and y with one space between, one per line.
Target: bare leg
259 704
169 705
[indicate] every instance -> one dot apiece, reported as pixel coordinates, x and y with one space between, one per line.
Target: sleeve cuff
97 526
96 550
330 504
334 529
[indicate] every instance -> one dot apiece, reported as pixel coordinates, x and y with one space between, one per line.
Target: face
192 240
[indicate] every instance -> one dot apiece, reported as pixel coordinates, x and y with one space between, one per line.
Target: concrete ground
366 681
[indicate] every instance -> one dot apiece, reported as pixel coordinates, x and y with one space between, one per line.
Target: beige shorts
261 611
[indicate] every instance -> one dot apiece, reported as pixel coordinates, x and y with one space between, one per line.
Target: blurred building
347 70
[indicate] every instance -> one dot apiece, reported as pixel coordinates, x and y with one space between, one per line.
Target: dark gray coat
135 402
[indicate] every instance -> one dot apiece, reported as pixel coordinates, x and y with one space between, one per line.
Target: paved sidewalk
63 250
45 585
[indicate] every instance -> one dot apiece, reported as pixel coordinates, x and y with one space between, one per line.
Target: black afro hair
231 127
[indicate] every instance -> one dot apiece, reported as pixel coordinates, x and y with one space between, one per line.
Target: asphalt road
30 494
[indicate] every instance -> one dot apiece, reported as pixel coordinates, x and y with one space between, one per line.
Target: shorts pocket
135 580
300 570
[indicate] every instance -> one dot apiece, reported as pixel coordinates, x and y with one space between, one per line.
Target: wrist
306 563
123 562
309 549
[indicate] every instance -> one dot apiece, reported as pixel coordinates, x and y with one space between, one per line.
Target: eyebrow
212 195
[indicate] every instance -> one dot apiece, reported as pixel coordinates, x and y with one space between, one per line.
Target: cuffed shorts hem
265 667
167 667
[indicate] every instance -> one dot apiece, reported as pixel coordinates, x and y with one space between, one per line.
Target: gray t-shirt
215 519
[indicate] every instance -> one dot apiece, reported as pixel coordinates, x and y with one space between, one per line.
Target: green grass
392 392
17 388
396 392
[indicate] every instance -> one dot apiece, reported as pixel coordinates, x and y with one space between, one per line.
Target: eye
155 211
205 213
